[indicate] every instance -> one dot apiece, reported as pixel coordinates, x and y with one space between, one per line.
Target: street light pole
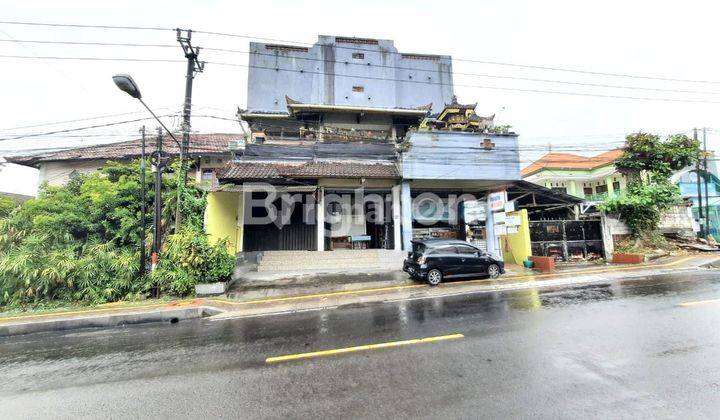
706 176
126 83
699 191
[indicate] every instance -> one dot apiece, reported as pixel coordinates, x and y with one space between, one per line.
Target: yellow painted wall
516 247
221 218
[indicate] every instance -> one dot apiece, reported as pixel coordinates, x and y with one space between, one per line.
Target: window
358 56
208 175
466 250
447 249
616 185
559 189
358 89
600 189
587 191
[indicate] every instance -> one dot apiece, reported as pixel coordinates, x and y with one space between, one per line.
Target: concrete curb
330 301
91 320
218 309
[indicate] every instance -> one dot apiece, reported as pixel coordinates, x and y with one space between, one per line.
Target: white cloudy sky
655 38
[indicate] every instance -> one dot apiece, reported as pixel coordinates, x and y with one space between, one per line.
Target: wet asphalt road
614 350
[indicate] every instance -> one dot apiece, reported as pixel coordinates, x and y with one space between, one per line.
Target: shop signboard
497 200
474 212
512 220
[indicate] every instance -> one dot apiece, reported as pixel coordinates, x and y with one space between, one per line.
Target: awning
255 187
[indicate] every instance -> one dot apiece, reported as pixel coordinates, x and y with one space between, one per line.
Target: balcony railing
598 197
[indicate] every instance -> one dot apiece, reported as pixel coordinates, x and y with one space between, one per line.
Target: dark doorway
295 235
379 224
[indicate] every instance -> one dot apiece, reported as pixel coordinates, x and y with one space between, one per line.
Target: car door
446 259
472 260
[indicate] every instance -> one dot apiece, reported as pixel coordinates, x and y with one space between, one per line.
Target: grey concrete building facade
346 71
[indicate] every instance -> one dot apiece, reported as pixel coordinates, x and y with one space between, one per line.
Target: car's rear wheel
434 277
493 271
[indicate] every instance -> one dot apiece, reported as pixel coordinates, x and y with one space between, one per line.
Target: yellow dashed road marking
699 302
366 347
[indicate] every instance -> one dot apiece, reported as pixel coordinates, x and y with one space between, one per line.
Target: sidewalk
328 291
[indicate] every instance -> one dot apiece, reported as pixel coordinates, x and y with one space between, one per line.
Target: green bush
80 242
188 259
649 161
643 205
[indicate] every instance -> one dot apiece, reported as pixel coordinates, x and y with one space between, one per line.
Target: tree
648 154
648 161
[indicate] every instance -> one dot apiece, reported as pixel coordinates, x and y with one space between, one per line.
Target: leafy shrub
188 259
649 161
643 205
80 242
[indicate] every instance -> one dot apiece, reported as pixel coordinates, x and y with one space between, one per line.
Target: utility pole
143 210
705 177
193 66
157 216
699 191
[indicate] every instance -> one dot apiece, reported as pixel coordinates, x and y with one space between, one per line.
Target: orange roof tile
571 161
200 144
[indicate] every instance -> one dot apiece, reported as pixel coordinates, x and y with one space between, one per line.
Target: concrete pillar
572 189
397 221
242 199
406 202
490 230
608 243
610 188
320 219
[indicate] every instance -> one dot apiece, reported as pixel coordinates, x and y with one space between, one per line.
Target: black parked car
434 260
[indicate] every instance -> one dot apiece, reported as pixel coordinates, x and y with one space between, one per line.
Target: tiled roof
237 171
255 170
200 144
571 161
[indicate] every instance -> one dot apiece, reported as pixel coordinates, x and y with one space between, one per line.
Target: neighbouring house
17 182
583 233
209 152
692 187
592 178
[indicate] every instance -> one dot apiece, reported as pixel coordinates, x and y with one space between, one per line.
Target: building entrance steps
330 261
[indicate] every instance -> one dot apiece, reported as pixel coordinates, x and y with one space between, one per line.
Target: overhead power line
365 64
155 60
149 60
104 44
356 48
596 95
468 60
98 117
69 130
71 25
